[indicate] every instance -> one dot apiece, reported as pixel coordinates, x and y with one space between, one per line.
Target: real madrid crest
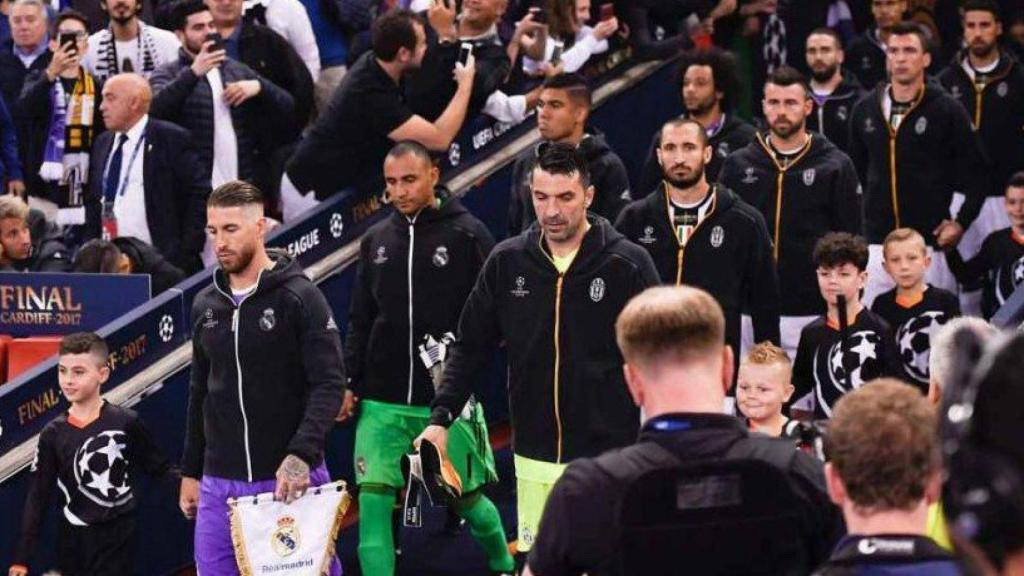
921 125
723 149
597 289
842 113
268 321
285 539
440 258
809 177
717 236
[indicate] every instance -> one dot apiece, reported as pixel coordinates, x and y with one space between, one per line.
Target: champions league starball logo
914 340
846 368
101 469
285 539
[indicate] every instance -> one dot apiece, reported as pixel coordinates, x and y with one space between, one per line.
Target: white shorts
789 333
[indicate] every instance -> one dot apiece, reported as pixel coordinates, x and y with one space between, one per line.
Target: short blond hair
765 353
669 323
13 207
902 235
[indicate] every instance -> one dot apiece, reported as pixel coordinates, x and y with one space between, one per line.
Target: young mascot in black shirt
914 309
703 235
678 369
1000 262
884 472
94 452
849 345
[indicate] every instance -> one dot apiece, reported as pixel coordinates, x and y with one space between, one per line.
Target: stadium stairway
151 347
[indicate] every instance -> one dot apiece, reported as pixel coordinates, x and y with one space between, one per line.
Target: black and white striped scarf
107 63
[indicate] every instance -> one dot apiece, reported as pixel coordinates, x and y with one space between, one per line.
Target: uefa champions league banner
296 539
55 304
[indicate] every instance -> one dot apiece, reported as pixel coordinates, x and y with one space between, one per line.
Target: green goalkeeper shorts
385 433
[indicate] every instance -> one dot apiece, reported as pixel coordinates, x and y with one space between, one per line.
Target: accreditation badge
296 539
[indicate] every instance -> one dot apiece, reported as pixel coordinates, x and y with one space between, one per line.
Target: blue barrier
56 303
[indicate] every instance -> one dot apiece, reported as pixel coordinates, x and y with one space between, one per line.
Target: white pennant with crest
296 539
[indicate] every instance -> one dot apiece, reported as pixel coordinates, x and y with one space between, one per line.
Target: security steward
678 369
703 235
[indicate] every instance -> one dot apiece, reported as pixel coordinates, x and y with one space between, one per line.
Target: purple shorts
215 556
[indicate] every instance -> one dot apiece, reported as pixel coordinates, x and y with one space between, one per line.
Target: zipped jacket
729 254
267 375
831 118
567 394
413 277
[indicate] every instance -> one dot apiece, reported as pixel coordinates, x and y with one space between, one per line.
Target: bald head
126 99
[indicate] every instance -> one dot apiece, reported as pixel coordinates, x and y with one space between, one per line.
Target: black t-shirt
580 531
347 144
914 325
1000 262
95 465
906 555
829 368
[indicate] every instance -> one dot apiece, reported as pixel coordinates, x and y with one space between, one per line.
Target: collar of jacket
1002 69
600 235
285 267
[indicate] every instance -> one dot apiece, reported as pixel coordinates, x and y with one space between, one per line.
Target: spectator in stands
218 99
989 83
984 460
367 115
678 369
60 108
999 264
914 148
848 345
701 234
866 56
575 40
661 29
146 181
332 45
128 44
833 92
28 51
289 19
884 471
763 387
429 88
28 242
562 113
804 187
127 255
709 88
914 309
12 179
268 54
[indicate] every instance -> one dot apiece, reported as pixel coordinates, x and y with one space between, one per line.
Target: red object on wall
24 353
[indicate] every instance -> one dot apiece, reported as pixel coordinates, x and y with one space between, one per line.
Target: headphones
982 493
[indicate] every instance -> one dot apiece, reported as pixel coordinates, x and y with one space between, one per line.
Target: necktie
114 170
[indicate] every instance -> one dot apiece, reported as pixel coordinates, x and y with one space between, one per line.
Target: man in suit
145 180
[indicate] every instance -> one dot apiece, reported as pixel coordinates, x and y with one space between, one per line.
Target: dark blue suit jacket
175 192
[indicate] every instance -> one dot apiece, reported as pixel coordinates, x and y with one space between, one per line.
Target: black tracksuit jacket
818 193
267 376
567 394
832 119
729 255
935 153
413 277
996 111
734 134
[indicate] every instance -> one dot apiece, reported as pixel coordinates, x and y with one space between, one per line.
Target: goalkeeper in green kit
415 271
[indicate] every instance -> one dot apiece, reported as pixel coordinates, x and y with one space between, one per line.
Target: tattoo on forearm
294 468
